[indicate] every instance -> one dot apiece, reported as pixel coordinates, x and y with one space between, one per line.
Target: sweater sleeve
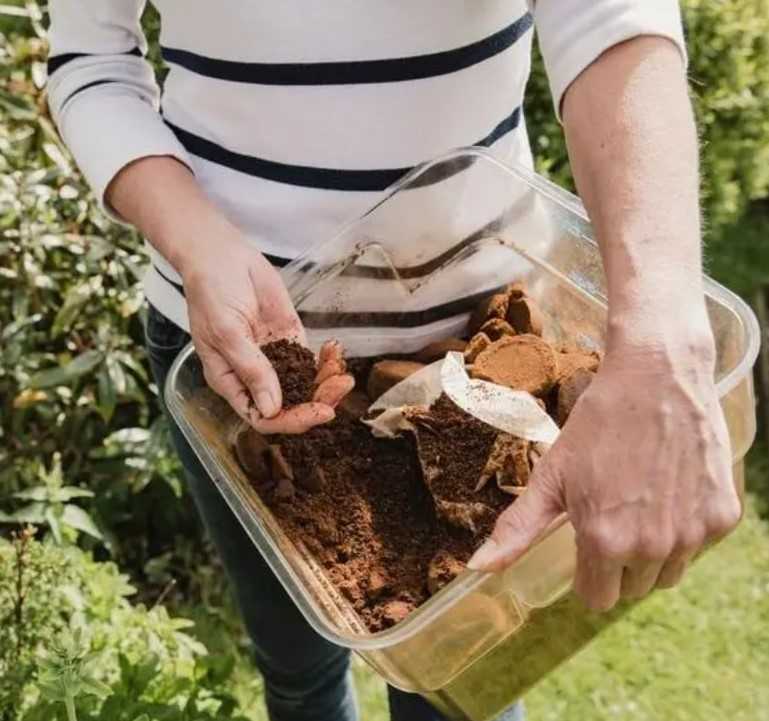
574 33
101 92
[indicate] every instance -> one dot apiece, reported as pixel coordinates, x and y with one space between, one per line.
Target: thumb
521 524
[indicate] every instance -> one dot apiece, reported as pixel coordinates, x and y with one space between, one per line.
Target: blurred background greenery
116 560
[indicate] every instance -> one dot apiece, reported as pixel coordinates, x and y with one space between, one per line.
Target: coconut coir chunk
522 362
295 366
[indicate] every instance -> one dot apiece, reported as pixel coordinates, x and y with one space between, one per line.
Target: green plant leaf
84 363
37 493
33 513
67 493
116 374
94 687
132 364
107 398
17 106
74 300
52 519
77 518
58 156
18 325
128 436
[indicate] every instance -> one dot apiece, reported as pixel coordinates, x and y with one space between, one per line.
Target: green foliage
739 256
49 505
68 671
73 646
27 573
729 48
728 44
73 375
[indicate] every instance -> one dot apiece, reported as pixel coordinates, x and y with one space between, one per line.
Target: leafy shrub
70 636
73 375
728 44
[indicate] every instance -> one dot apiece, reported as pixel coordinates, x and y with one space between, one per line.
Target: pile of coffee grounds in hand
296 369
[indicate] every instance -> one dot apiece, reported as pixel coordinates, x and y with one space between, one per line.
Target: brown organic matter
508 463
443 569
279 466
437 350
385 374
569 358
356 403
494 306
496 328
284 490
295 366
391 521
522 362
251 450
453 449
478 343
525 316
569 391
373 526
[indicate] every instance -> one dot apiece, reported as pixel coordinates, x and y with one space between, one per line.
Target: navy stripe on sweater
380 319
356 71
57 61
309 176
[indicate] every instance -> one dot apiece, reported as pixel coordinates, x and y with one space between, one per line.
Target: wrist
198 243
675 337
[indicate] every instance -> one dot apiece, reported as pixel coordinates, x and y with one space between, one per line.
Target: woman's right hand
237 302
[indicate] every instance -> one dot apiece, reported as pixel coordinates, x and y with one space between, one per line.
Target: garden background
115 609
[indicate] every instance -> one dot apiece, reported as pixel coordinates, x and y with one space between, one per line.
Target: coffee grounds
387 518
453 448
295 366
373 526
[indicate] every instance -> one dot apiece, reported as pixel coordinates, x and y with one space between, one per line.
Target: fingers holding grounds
330 350
255 372
332 391
223 380
330 362
296 420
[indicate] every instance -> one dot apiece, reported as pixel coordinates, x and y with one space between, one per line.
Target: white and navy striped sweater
295 115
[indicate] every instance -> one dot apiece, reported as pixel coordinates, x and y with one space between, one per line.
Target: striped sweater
296 115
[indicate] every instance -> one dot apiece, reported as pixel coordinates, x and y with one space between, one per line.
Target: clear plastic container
458 227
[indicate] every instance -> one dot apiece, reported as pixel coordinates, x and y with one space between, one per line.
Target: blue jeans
306 678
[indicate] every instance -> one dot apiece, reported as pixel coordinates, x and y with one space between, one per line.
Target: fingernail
485 556
266 404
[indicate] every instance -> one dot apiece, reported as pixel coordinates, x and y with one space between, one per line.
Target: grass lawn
697 653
